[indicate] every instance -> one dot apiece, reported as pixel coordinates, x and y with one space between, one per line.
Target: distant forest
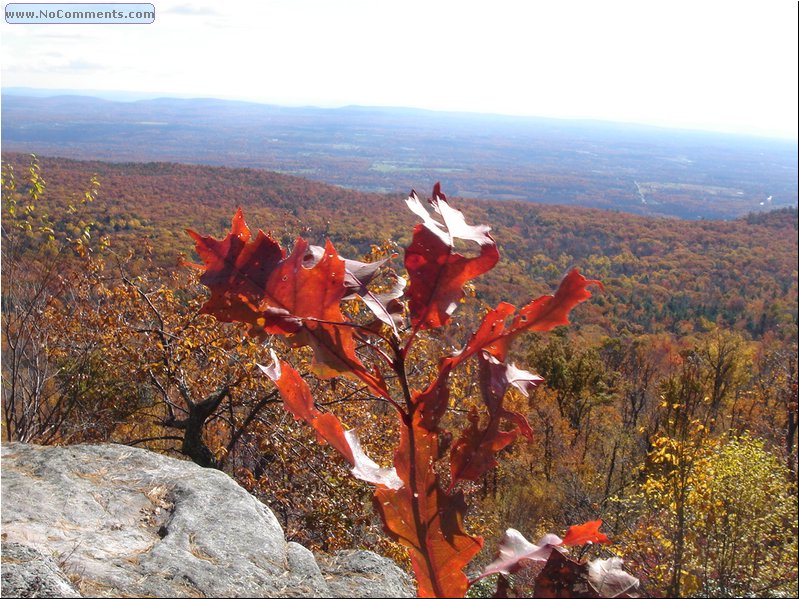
630 168
660 274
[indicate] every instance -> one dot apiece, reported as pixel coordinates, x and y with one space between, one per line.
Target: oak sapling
299 296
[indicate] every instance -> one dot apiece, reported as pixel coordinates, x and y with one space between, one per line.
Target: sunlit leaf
437 272
367 470
608 579
425 519
474 453
298 400
494 335
254 282
514 548
580 534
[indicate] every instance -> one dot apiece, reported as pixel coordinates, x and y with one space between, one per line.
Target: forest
632 168
667 409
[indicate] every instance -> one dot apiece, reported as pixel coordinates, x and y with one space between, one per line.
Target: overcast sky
729 66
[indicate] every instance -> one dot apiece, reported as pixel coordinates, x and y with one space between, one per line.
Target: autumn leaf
386 306
563 577
236 270
432 403
299 402
474 453
428 521
365 468
514 548
357 276
608 579
254 282
437 272
580 534
542 314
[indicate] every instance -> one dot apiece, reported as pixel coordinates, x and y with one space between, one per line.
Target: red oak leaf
254 282
541 314
565 577
236 270
580 534
474 453
561 576
608 579
437 272
432 403
366 469
357 276
428 521
514 549
298 400
314 294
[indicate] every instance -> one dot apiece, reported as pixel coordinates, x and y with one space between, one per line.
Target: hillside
659 405
659 274
643 170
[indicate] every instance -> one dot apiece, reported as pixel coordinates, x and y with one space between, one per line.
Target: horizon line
128 96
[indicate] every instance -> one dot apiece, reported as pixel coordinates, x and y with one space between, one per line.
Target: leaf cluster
298 295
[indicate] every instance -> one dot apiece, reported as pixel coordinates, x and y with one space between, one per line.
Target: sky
702 64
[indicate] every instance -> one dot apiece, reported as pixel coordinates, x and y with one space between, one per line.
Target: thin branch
267 399
147 439
353 325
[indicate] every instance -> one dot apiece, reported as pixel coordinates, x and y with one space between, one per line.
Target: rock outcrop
111 520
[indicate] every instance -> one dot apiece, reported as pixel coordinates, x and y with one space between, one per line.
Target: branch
147 439
272 397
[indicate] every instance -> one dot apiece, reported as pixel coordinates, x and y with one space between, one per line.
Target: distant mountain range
630 168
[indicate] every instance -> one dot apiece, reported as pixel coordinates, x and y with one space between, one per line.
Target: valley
630 168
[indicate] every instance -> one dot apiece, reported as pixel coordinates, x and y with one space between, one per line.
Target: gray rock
126 521
302 564
28 573
364 574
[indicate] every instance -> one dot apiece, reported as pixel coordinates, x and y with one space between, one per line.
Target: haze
728 66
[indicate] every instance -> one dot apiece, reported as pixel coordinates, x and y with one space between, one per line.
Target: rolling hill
631 168
660 274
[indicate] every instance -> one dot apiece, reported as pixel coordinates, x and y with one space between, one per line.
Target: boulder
364 574
112 520
29 573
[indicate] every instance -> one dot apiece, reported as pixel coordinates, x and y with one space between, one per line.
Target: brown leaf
564 578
